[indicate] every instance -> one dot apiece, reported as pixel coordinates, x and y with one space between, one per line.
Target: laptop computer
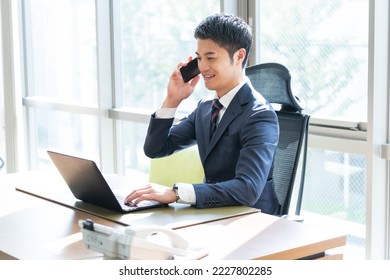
88 184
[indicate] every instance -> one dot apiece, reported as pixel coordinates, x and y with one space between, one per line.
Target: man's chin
209 86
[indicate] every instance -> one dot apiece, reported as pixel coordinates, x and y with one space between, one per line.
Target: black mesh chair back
273 81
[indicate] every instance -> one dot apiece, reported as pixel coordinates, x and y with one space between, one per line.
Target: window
62 41
327 55
60 37
64 59
152 37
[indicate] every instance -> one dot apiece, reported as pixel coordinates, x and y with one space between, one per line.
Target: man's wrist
170 103
176 190
185 193
165 113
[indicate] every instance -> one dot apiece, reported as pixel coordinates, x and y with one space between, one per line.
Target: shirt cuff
186 193
165 113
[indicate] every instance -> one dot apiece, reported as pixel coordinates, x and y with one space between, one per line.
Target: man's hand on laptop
154 192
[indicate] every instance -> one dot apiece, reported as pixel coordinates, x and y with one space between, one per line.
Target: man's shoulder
248 94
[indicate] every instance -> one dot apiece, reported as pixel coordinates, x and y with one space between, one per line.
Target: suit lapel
233 111
207 124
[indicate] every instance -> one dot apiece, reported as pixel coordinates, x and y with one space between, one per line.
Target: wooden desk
38 229
49 185
34 228
260 236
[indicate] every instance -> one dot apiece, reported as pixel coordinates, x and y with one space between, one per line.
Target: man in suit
237 158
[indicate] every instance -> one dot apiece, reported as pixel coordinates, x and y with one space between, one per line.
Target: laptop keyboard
121 200
142 204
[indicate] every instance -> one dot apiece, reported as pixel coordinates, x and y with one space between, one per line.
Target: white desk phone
138 242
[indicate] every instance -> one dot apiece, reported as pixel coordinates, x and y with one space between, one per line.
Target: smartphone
189 71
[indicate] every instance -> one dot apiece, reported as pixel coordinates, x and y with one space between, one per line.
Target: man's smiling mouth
208 76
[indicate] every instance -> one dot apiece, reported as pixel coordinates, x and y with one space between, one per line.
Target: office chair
273 81
181 167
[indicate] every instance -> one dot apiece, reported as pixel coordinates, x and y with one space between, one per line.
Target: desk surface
34 228
175 216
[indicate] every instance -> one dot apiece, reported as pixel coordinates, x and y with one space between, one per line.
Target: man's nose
202 65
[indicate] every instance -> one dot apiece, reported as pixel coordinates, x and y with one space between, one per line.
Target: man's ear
240 55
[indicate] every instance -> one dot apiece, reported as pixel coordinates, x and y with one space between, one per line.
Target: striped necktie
214 115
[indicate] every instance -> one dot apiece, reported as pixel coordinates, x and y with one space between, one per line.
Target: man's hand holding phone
178 89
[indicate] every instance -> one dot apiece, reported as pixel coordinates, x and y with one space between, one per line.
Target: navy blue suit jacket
237 161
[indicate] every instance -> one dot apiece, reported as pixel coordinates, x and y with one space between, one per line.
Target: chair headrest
273 81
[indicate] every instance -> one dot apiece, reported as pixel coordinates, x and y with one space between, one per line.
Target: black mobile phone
189 71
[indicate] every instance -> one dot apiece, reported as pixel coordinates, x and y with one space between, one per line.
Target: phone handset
157 238
138 242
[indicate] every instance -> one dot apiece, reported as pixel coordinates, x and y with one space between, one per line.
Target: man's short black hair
227 31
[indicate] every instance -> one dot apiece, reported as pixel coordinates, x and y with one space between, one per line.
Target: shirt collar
228 97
